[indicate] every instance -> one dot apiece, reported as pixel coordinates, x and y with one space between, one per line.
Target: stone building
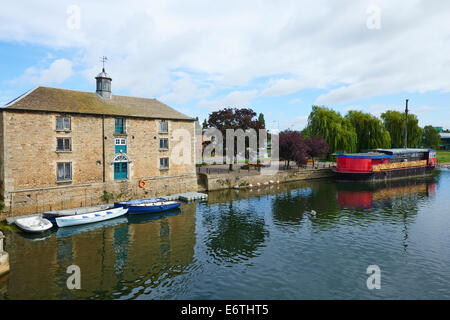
63 148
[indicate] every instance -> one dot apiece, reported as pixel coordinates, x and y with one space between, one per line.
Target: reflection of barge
385 164
363 195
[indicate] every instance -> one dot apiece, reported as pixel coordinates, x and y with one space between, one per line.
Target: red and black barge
385 164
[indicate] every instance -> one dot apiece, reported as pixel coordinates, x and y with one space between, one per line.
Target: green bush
107 196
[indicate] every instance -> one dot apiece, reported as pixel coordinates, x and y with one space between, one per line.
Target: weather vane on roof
103 60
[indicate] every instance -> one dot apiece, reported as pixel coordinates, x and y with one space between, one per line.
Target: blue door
120 170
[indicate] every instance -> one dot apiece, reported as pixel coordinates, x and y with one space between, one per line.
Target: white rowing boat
34 224
90 217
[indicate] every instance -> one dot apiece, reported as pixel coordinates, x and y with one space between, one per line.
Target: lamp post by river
406 125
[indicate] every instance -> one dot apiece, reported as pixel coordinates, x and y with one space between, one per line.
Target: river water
253 244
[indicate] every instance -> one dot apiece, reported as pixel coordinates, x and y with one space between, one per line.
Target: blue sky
276 58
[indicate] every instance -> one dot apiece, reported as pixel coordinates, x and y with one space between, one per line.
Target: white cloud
298 123
294 44
184 90
58 71
240 99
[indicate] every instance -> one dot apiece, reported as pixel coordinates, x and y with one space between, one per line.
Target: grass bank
443 156
5 226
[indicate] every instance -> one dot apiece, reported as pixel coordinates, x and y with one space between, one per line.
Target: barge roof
402 150
366 155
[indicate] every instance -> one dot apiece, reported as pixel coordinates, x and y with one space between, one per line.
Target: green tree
205 124
370 131
261 120
431 138
394 122
337 131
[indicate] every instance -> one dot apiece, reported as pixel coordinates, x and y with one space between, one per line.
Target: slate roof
71 101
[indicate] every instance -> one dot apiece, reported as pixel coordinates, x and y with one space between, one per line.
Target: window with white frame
121 142
63 144
62 123
163 127
164 163
64 171
164 143
120 145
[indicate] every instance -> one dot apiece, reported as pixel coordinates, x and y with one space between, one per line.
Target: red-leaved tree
317 147
293 147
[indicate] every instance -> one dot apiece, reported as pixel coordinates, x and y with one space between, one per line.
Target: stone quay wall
40 200
212 182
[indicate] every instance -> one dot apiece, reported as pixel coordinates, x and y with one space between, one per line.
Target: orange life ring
142 184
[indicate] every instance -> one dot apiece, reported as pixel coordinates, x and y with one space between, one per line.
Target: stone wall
75 196
212 182
29 160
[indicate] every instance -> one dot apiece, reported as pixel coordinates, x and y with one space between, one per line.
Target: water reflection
292 206
74 230
366 196
269 241
110 255
235 231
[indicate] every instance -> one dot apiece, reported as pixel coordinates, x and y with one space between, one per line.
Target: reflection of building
143 252
114 260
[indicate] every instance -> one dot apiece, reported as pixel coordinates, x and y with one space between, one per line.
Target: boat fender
142 184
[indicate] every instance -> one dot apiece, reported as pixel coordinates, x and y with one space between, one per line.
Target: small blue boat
151 205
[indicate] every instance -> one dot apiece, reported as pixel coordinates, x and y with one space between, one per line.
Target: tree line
358 131
328 132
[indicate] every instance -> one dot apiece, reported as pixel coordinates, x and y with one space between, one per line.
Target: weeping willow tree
431 138
370 131
394 122
335 129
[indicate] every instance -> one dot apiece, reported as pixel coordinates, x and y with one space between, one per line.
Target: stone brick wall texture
212 182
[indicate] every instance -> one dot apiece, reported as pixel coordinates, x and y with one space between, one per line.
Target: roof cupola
103 82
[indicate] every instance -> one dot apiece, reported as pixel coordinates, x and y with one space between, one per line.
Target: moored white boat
34 224
90 217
